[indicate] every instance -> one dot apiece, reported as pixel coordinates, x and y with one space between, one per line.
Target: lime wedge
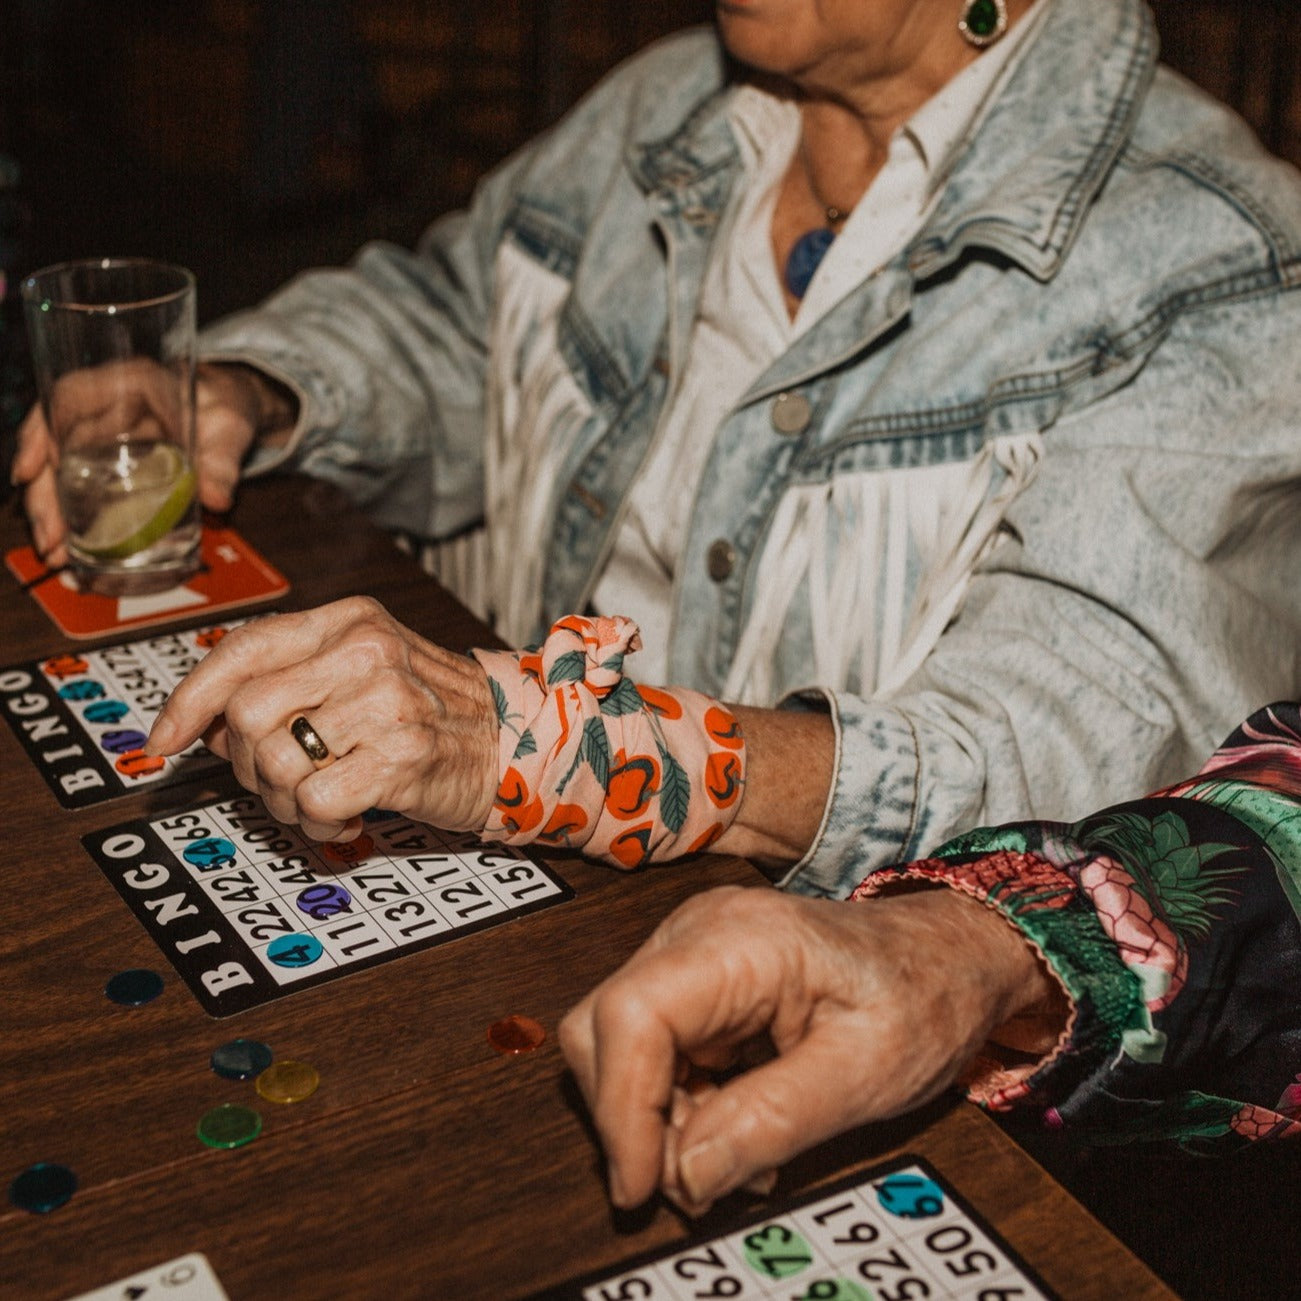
163 488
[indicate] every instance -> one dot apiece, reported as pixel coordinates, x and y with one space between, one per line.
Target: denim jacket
1090 346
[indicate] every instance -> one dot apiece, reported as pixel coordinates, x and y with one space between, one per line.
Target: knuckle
239 714
248 713
315 804
622 1007
277 765
396 702
766 1123
370 644
362 609
245 643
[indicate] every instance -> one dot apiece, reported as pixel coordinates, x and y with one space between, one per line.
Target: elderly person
916 375
1001 486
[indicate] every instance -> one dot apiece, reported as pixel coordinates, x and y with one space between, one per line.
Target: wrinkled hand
233 406
411 727
873 1007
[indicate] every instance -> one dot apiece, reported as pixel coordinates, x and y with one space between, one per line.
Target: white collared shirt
743 325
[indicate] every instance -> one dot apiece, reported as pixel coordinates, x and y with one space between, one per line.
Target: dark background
248 140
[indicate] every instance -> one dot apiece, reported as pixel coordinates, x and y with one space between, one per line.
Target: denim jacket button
791 413
721 560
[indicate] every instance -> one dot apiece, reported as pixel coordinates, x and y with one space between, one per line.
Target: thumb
760 1120
224 439
35 448
217 488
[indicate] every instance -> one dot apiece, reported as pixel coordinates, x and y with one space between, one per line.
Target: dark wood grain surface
426 1165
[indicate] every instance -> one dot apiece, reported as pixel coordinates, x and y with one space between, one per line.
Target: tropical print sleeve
1172 925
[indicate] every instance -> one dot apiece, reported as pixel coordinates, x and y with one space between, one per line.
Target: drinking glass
112 343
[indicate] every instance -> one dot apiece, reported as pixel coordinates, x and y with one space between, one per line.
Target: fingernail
705 1171
680 1109
159 735
761 1184
679 1199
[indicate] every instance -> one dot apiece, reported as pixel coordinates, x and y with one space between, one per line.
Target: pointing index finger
245 653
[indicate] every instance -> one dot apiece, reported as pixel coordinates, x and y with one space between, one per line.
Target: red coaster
231 573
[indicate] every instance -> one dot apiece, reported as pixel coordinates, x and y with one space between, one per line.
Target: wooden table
426 1165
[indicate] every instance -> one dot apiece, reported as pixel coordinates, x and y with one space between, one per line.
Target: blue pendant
805 258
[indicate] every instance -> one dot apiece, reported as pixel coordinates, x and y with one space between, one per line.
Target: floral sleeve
1172 924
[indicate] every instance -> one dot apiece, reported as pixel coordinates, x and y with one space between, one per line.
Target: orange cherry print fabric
590 761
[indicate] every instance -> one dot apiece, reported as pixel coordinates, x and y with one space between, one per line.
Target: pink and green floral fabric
1172 924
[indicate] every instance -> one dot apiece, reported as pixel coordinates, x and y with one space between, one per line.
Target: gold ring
306 736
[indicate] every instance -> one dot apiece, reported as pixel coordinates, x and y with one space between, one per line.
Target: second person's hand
874 1007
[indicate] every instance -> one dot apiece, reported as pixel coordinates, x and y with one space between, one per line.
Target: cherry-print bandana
592 761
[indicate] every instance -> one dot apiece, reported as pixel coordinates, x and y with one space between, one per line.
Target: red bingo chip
136 763
516 1034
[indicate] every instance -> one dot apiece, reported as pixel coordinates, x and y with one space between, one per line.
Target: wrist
269 407
789 768
1023 988
588 760
1009 994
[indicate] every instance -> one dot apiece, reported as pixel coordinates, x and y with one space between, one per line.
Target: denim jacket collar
1022 186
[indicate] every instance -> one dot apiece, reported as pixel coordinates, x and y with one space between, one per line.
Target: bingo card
247 909
82 717
894 1233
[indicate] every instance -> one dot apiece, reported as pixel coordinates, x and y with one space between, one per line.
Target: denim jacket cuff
262 460
869 819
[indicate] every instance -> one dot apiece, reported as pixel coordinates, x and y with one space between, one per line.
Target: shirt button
791 413
721 560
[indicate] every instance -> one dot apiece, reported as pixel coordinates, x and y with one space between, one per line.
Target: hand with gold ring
337 710
308 737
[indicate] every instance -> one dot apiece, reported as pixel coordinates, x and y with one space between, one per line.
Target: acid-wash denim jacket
1055 439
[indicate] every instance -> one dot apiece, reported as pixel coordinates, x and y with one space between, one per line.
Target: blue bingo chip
241 1059
43 1187
135 987
911 1197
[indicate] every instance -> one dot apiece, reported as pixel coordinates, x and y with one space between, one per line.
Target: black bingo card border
248 910
82 715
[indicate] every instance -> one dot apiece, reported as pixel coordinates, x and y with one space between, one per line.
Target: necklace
808 251
811 247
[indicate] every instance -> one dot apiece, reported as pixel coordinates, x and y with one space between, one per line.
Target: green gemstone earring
982 21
